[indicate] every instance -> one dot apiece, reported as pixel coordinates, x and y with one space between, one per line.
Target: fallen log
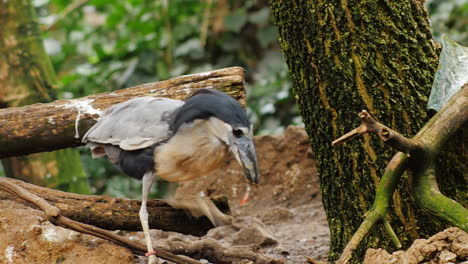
62 123
117 213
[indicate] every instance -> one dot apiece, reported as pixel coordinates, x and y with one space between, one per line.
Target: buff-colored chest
194 151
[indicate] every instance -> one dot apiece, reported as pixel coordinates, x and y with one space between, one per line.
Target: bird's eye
237 133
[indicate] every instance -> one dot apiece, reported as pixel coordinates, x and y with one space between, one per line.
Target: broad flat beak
244 151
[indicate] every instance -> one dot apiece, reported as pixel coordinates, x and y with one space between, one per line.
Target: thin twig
392 138
205 23
49 210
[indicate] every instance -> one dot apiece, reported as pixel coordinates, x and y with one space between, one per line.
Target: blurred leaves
103 46
449 17
108 45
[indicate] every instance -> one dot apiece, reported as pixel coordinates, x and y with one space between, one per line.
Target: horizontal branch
116 213
62 123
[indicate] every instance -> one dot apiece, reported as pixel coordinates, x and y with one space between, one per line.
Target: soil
447 247
26 237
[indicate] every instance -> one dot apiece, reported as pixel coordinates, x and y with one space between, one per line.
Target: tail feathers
102 150
113 153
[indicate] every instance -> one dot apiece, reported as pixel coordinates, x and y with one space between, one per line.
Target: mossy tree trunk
345 56
26 77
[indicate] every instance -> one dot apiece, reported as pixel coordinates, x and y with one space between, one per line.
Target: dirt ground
26 237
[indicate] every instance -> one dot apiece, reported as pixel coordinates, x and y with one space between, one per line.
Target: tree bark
349 55
26 77
62 123
118 213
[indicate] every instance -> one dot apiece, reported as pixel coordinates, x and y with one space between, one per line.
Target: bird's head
228 121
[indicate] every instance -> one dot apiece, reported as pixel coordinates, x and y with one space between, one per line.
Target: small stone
254 232
447 256
276 214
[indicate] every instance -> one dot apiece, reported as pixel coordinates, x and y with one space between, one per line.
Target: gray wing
134 124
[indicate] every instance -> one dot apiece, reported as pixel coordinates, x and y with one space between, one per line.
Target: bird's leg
148 180
199 206
209 209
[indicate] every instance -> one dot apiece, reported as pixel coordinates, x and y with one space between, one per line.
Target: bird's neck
195 150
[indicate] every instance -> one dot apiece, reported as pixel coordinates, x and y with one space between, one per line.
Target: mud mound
447 247
27 237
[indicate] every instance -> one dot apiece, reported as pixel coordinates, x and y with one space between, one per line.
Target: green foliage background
100 46
103 46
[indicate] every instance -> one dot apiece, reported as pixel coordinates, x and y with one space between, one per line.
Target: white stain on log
84 107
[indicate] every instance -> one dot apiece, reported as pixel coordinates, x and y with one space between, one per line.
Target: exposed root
212 251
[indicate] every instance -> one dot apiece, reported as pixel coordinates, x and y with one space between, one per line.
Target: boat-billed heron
151 137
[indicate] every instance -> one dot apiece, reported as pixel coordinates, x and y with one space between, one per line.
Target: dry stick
426 143
311 260
53 213
387 135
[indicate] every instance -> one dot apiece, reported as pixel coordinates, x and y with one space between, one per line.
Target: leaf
451 75
235 21
260 17
267 35
191 46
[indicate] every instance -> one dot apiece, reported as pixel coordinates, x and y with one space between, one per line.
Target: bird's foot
199 206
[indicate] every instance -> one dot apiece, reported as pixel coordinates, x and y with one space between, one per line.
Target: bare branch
387 135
